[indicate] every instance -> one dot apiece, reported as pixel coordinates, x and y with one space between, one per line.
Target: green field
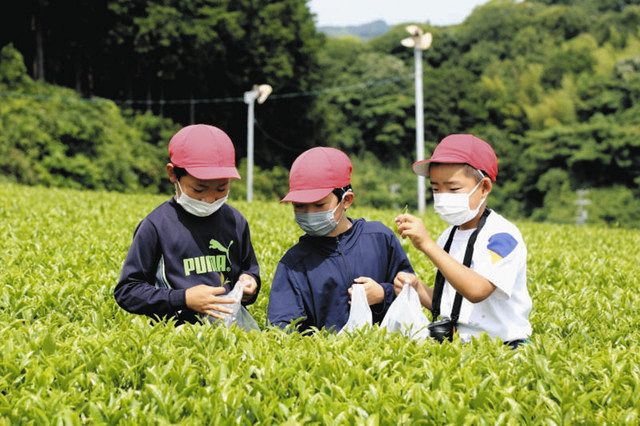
70 355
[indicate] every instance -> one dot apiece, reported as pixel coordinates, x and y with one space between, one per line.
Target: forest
90 93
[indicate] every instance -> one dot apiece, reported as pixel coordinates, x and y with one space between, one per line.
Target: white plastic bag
239 314
360 312
245 321
405 315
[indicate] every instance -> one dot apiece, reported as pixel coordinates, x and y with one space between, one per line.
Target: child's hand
402 278
374 291
250 288
412 227
204 298
424 294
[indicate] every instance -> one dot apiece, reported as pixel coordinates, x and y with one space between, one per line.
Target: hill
363 31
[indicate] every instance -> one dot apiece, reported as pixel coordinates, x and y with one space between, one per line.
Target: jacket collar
339 243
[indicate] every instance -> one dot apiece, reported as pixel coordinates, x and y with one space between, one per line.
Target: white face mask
197 207
453 208
320 224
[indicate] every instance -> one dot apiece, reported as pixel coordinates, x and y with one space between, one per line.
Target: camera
442 330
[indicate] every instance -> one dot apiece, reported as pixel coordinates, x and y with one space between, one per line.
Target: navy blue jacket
313 278
173 250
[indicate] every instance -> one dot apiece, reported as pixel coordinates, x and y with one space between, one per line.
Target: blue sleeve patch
500 245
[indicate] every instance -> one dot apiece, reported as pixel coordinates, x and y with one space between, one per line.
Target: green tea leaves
71 355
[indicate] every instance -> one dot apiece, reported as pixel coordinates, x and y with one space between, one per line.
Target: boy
313 279
189 251
481 256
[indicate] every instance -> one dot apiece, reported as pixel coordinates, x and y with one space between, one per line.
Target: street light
419 41
259 93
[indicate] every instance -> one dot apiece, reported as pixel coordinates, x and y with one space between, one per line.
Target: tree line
553 85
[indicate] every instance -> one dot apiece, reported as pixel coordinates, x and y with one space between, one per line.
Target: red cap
462 149
316 172
206 152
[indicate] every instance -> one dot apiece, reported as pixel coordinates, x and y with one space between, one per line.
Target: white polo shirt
500 256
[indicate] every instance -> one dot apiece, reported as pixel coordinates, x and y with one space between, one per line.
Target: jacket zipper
349 279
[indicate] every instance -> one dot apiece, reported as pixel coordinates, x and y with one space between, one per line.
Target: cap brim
421 167
208 173
306 195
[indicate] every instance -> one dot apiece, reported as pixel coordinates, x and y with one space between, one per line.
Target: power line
191 101
346 88
228 100
274 140
40 97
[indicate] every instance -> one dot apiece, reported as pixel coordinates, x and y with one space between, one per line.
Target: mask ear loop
340 202
482 176
475 188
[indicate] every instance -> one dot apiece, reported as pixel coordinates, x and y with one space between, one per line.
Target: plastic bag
245 321
239 314
360 312
405 315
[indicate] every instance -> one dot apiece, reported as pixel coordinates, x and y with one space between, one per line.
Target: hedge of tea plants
70 355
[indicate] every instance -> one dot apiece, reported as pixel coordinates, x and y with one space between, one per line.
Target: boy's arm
471 285
135 291
285 303
398 262
381 294
250 267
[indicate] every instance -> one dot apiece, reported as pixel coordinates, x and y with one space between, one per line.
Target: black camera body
442 330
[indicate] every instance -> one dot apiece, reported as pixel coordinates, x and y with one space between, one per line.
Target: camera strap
438 285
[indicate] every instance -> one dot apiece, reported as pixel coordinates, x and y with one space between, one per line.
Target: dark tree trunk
90 82
161 99
38 58
149 102
192 110
78 78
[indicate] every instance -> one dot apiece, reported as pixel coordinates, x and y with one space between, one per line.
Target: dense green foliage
51 136
71 355
553 85
134 50
554 88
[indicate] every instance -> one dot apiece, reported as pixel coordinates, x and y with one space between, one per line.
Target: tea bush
70 355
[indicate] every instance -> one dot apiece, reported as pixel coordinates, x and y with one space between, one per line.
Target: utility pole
419 41
259 93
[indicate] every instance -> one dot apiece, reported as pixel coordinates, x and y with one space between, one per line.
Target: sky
355 12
